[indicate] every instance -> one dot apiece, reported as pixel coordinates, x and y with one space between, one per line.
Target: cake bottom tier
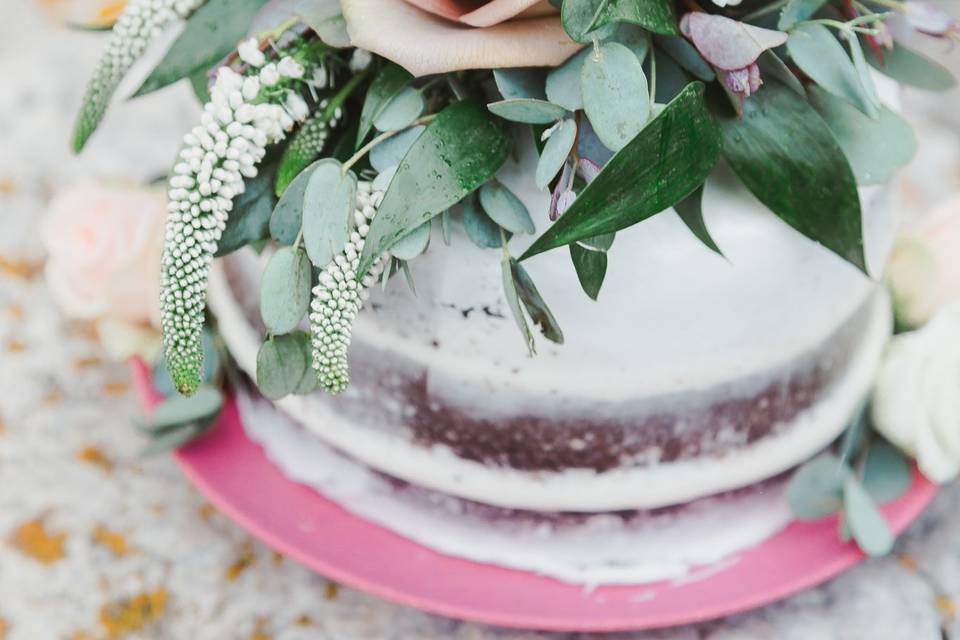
682 543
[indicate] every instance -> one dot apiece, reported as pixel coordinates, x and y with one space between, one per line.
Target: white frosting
698 539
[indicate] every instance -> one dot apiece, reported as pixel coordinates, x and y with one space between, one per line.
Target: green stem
762 11
653 77
386 135
596 15
337 101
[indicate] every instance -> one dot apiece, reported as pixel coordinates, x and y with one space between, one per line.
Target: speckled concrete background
97 543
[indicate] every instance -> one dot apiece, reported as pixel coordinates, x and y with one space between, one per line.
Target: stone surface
90 531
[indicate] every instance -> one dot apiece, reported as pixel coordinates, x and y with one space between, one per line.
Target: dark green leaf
389 82
887 473
461 149
784 153
527 110
505 208
249 220
867 524
285 290
328 205
662 165
816 489
210 35
691 213
534 304
912 69
653 15
591 267
284 366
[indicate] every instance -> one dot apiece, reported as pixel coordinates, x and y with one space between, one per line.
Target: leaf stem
337 101
762 11
386 135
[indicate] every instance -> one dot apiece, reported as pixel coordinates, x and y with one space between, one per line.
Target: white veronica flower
916 403
290 68
269 75
726 3
249 51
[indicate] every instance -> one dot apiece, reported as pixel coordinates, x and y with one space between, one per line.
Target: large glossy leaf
211 34
691 212
653 15
461 149
662 165
912 69
389 82
591 268
785 154
874 148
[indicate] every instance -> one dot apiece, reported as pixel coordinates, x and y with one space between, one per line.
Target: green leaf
180 410
482 231
591 268
326 20
200 82
563 83
816 489
461 149
690 211
526 82
390 152
513 301
887 473
912 69
784 153
284 366
555 152
505 208
400 111
175 437
305 147
687 56
798 11
867 524
662 165
874 148
285 290
773 67
328 205
634 38
527 110
819 55
615 94
653 15
249 220
287 217
210 35
671 78
413 244
389 82
533 302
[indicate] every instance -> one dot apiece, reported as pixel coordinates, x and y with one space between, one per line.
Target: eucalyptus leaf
662 165
690 211
328 205
912 69
863 72
461 149
798 11
634 38
591 268
867 524
180 410
578 21
505 208
287 217
563 83
513 301
390 152
211 33
784 153
413 244
400 111
285 290
390 81
615 94
687 56
817 52
249 219
874 148
524 82
816 488
326 20
174 438
887 474
555 152
772 66
527 110
671 78
482 231
533 302
284 366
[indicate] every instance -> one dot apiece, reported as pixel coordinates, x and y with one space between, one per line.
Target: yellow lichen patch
259 631
115 388
15 312
331 590
32 539
304 621
206 511
4 628
87 363
246 559
907 562
96 457
52 397
7 187
112 540
19 269
80 635
277 558
110 11
947 607
16 346
3 427
133 614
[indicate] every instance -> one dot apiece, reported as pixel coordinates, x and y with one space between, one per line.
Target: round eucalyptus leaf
482 231
528 111
284 365
524 82
328 204
634 38
505 208
555 152
180 410
867 524
615 94
390 152
887 473
413 244
816 488
285 290
287 216
174 438
403 109
563 83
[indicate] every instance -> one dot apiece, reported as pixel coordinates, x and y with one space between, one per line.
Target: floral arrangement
341 133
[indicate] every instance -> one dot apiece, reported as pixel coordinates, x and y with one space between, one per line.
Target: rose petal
424 44
488 13
728 44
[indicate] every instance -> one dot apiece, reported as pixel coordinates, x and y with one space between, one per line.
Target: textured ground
97 543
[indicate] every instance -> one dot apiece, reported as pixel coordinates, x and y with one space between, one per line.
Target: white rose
916 402
924 269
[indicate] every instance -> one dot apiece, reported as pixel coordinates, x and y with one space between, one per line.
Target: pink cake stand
233 473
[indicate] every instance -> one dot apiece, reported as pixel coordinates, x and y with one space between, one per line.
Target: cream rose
916 402
435 36
924 270
103 264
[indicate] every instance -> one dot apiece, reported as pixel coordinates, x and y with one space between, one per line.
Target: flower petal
487 13
728 44
425 44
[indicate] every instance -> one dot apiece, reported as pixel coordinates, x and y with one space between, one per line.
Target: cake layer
626 547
